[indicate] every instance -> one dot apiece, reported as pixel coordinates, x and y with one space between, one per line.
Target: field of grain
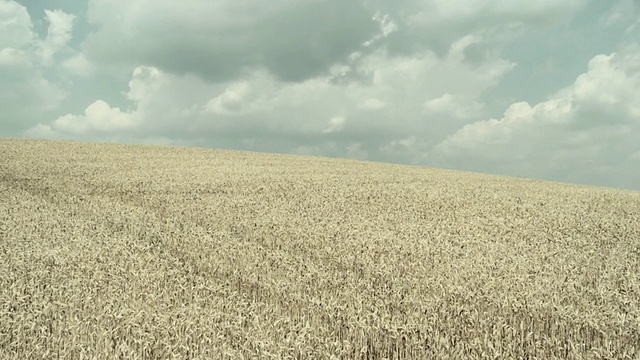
141 252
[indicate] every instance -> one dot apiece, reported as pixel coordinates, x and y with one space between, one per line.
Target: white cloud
13 58
612 84
587 130
15 25
335 124
231 100
372 104
98 117
483 134
27 92
457 48
79 65
160 101
423 82
262 111
455 107
58 34
387 26
426 75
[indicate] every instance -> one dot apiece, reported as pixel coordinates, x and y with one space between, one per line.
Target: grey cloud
299 41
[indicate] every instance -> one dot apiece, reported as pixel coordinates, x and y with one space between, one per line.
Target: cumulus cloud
465 84
586 132
78 65
99 116
266 113
15 25
26 92
58 34
160 104
454 107
13 58
231 100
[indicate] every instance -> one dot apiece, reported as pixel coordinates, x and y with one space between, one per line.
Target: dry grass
139 252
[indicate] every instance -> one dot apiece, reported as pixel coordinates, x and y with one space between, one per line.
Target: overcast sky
544 89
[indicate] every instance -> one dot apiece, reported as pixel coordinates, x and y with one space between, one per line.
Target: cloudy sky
544 89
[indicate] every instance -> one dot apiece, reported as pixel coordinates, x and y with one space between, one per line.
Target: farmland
145 252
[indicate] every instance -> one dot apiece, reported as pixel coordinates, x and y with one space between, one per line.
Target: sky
543 89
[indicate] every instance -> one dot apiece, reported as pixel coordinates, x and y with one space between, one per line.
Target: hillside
123 251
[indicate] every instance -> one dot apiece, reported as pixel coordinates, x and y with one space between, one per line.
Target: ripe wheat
142 252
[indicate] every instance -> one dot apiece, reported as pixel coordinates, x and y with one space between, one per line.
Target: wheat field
147 252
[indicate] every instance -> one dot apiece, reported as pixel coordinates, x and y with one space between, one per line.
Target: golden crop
142 252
